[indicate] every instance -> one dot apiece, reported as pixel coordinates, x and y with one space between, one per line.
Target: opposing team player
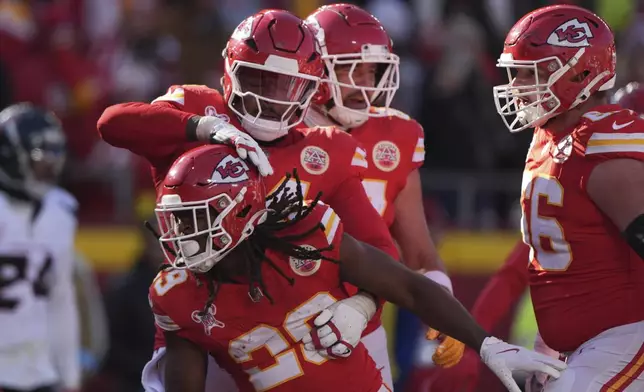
582 196
361 71
40 342
243 282
272 73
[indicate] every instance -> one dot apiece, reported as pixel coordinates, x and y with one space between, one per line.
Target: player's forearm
149 130
65 334
186 365
438 309
375 272
504 289
359 217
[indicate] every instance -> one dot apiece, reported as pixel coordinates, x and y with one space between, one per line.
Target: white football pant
152 377
221 381
612 361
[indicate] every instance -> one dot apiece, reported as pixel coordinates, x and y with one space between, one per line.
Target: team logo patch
208 320
230 170
314 160
212 112
572 34
305 267
386 155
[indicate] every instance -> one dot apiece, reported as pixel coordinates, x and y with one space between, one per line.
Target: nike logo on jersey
620 126
508 350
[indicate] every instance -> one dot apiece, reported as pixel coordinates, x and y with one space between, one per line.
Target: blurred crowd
76 57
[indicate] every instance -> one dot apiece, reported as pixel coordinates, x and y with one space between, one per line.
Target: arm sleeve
63 316
504 289
629 144
161 318
360 219
333 227
152 131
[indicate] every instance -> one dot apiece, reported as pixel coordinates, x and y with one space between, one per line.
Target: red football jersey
327 160
395 147
584 277
258 343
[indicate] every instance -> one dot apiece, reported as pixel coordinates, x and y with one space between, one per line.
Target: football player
243 282
272 73
40 342
361 71
508 284
582 196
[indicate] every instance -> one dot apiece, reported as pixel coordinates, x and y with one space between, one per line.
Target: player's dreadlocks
286 209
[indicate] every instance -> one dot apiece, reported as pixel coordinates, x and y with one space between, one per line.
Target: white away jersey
36 256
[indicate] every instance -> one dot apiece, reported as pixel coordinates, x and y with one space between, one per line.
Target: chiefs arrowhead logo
314 160
230 170
572 34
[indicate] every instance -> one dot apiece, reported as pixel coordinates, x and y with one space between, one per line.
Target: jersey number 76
538 229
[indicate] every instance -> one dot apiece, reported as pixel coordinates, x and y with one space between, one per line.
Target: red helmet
209 202
575 51
272 71
631 97
349 36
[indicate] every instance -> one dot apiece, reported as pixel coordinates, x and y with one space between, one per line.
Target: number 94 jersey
584 277
258 343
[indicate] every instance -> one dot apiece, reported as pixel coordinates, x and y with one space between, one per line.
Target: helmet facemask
194 234
382 91
532 105
270 99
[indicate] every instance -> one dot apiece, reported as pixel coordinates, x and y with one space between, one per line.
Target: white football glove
339 327
219 131
537 381
503 359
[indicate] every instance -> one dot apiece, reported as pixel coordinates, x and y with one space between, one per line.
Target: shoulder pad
619 135
322 213
174 94
177 94
390 112
60 197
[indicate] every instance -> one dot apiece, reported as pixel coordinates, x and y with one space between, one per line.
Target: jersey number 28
537 228
281 344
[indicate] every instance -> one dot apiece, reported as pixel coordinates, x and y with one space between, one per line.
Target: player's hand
449 352
536 381
339 327
503 359
219 131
